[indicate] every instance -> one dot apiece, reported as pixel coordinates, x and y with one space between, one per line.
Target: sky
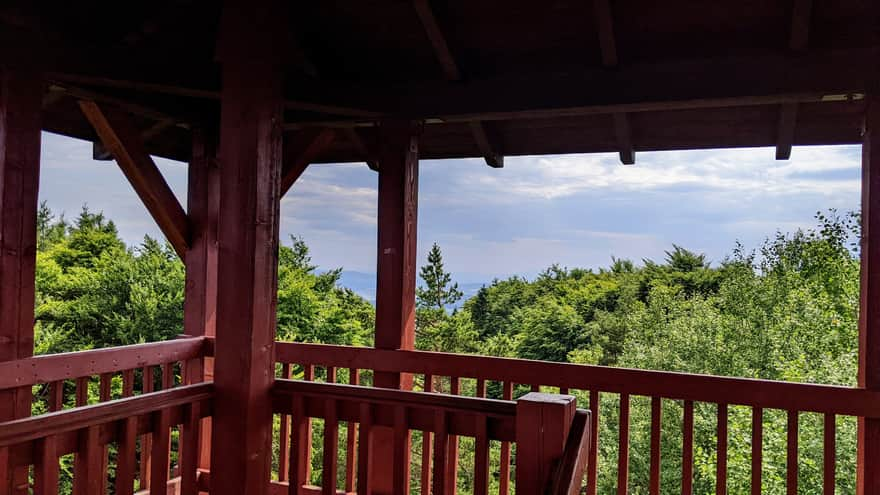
574 210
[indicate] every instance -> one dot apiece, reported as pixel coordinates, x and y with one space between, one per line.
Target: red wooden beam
452 72
797 42
250 170
200 296
868 459
21 94
608 48
354 137
396 267
123 141
300 149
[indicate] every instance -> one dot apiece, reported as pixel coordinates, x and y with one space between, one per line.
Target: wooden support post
200 294
250 166
21 95
396 270
868 471
542 424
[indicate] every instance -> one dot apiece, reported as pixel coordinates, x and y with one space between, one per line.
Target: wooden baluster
56 396
536 388
88 477
284 435
791 458
331 443
623 447
82 391
5 471
452 461
504 475
400 480
656 423
147 439
721 464
593 457
160 454
427 440
331 374
563 390
125 456
481 455
687 449
46 467
481 387
300 435
441 453
104 396
350 440
757 449
189 446
167 376
305 443
364 484
829 455
128 383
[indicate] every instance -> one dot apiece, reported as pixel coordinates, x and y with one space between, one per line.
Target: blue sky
575 210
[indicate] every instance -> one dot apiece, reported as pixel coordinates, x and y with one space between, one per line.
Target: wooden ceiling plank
300 149
122 139
798 42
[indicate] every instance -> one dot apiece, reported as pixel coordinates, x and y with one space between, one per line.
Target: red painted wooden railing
87 432
430 369
545 427
62 383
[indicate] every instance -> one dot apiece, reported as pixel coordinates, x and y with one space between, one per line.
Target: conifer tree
439 290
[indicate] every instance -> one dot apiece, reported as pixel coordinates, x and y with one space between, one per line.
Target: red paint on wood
757 449
88 478
504 471
656 421
687 449
190 444
351 442
364 482
400 460
721 461
161 452
331 454
56 396
46 469
21 88
868 456
299 457
251 116
300 149
481 457
623 446
441 453
791 457
542 425
452 461
284 436
125 456
122 139
593 457
829 455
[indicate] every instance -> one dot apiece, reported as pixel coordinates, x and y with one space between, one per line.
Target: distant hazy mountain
364 284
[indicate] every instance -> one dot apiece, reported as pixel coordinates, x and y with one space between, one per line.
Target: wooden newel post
542 424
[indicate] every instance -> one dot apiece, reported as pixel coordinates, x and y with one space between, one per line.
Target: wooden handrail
53 367
572 467
26 429
769 394
422 407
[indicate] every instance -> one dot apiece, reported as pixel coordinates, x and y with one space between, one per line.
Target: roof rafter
798 41
300 149
608 47
452 72
123 140
360 145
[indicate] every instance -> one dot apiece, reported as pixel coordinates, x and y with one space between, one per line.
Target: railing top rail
671 385
26 429
436 401
53 367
